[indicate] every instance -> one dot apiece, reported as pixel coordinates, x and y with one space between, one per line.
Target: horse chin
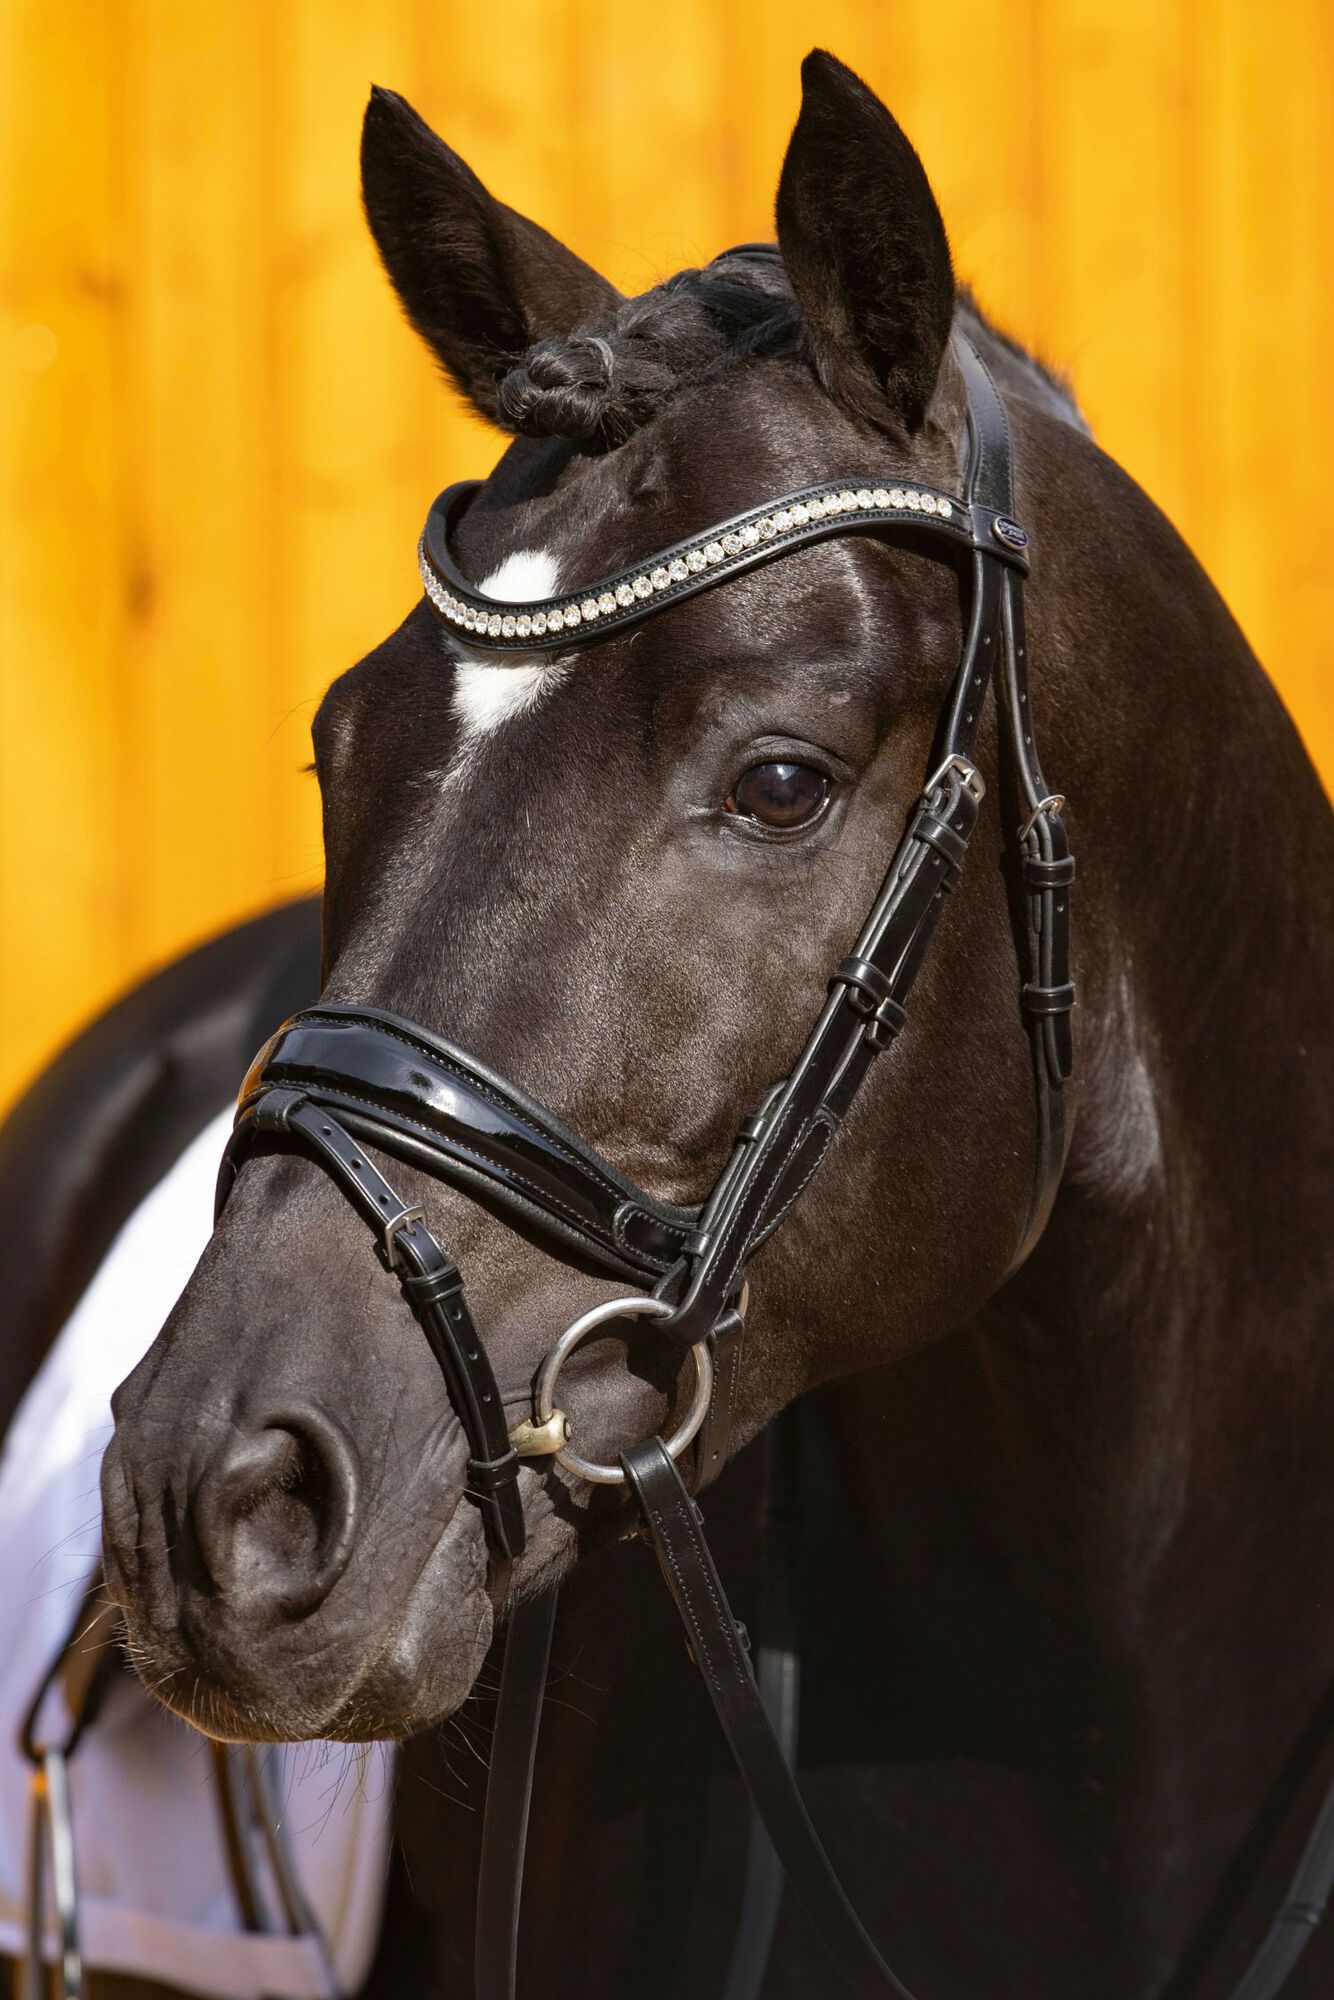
325 1678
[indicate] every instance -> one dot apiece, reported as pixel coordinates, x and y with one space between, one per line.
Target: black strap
719 1648
433 1288
509 1791
222 1760
782 1146
1301 1912
84 1668
778 1674
1048 869
713 1446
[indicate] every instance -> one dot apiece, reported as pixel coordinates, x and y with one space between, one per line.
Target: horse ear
479 282
865 249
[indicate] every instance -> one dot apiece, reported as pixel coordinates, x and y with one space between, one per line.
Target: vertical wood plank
1113 222
346 403
979 140
659 171
199 388
67 887
1261 318
1295 642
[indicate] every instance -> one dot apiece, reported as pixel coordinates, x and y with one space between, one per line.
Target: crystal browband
693 565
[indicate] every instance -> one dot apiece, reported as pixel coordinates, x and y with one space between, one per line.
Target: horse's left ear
865 249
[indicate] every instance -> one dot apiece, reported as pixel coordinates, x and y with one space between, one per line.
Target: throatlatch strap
673 1523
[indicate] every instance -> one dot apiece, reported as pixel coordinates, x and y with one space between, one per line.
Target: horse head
617 871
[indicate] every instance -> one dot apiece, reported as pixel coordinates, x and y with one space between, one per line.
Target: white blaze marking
485 696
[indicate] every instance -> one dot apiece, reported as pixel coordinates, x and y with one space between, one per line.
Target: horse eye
779 794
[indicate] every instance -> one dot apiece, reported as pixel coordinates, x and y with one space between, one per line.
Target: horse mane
597 387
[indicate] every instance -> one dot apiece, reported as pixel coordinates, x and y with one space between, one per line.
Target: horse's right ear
479 283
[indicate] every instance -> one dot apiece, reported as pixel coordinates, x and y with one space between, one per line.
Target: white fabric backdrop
155 1892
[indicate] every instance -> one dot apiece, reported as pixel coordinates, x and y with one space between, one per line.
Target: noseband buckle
407 1218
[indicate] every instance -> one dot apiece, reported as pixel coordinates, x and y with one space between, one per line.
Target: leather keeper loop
273 1108
868 986
490 1474
885 1023
1049 999
431 1288
1039 874
727 1328
936 833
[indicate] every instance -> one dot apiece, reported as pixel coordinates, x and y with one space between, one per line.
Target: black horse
1065 1528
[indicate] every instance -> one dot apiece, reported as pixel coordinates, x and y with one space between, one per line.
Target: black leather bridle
336 1080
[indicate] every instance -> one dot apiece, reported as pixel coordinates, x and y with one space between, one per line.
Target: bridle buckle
969 775
1051 804
407 1218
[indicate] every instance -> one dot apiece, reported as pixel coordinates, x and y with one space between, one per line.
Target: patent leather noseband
433 1106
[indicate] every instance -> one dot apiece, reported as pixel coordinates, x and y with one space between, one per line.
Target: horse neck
1105 1501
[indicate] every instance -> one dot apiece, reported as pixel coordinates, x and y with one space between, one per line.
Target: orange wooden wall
217 440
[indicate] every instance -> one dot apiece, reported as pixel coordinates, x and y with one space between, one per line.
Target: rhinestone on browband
681 570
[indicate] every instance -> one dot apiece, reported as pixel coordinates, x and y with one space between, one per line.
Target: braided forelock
597 387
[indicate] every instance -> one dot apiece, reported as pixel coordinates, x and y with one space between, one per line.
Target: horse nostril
275 1513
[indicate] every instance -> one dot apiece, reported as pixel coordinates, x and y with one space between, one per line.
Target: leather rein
337 1080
